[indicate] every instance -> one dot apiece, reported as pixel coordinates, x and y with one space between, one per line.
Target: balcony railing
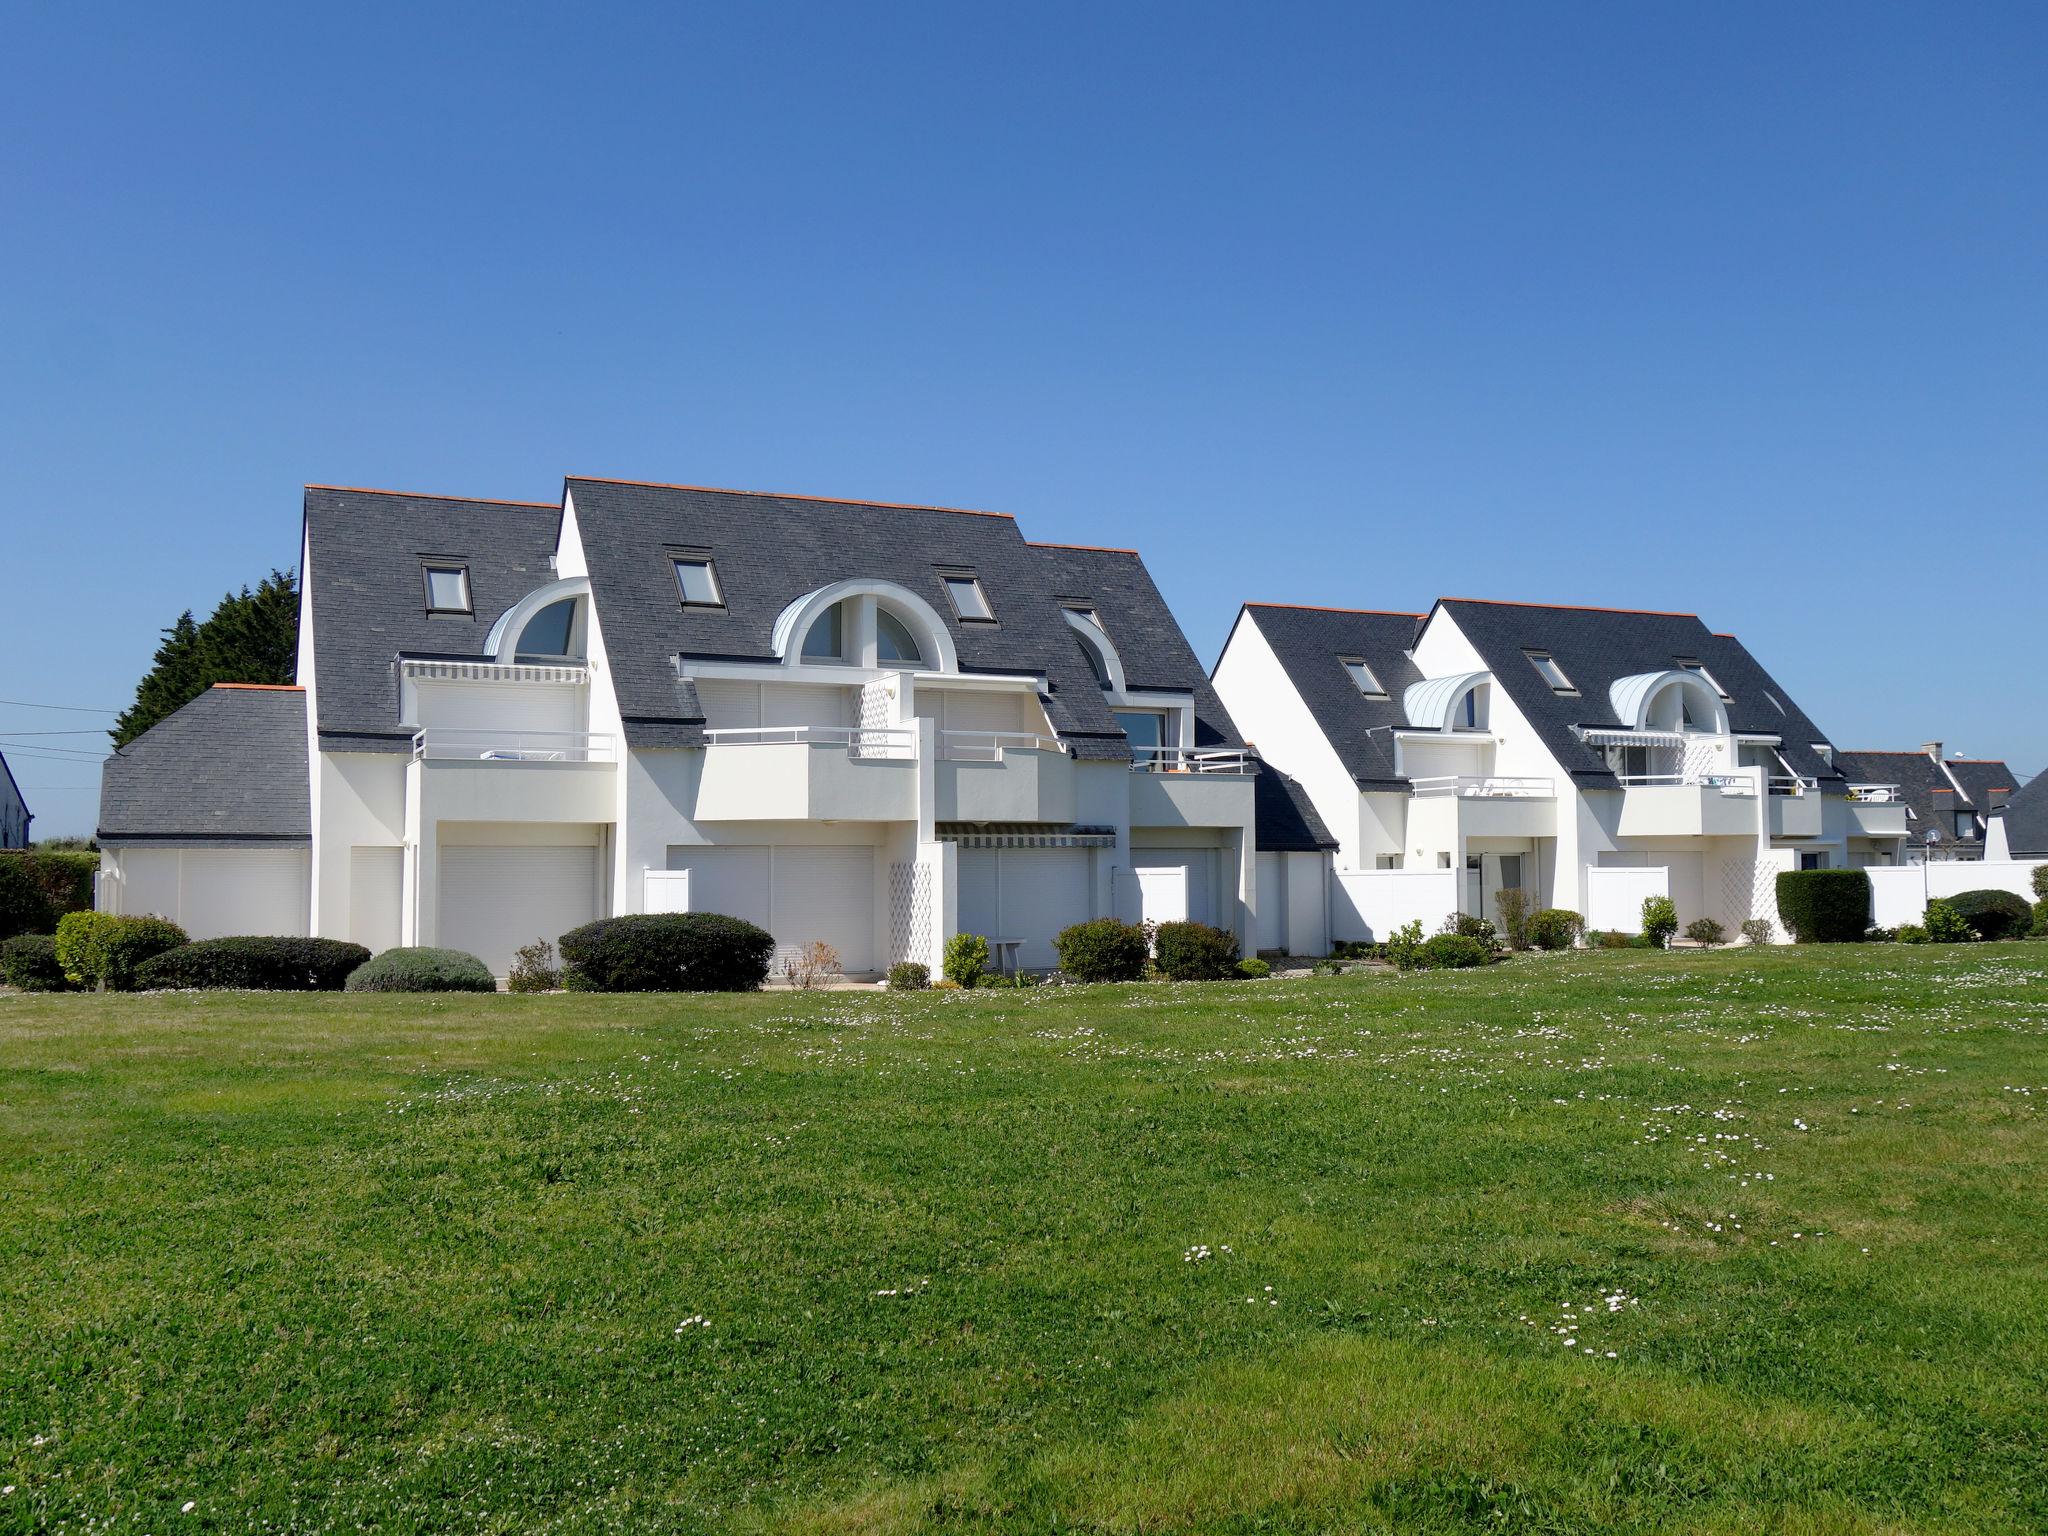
1727 783
1875 794
1471 786
1792 784
860 741
515 746
1191 760
989 746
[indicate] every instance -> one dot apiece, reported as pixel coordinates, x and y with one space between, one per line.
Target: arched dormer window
1461 702
827 638
894 643
1674 700
865 623
552 634
1097 647
550 623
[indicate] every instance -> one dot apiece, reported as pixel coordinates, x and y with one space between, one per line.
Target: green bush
422 970
1404 946
909 976
1994 914
667 952
65 876
2040 882
100 949
1454 952
1614 938
1825 906
1704 930
1512 903
256 964
1103 950
1253 969
29 961
1757 930
23 906
1660 920
1465 926
1910 933
1556 928
2041 910
965 959
534 968
1194 952
1945 925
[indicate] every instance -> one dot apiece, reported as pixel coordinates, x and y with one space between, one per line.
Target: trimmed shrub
667 952
1994 914
1556 928
1253 970
254 964
909 976
29 961
100 949
1404 946
1911 933
23 906
1704 930
65 876
1103 950
1614 938
1660 921
1757 931
965 959
1467 927
422 970
534 968
1454 952
1512 903
1825 906
1945 925
1194 952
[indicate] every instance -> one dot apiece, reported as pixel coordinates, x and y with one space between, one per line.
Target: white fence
1366 905
1900 894
1615 896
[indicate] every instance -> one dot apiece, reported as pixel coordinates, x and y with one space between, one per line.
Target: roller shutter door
801 895
1025 893
493 900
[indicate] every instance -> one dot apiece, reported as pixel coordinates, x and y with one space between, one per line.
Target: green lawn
1611 1243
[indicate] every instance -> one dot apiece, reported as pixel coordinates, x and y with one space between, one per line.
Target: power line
46 750
76 709
83 730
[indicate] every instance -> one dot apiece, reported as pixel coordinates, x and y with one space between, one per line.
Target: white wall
359 802
1615 896
1366 906
210 892
1900 895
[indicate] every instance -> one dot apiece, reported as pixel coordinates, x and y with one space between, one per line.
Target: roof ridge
1099 549
1383 613
840 501
1510 602
263 687
371 490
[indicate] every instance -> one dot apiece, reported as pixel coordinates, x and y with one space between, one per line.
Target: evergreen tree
251 637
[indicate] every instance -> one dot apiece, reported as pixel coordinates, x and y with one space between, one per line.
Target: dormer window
827 639
1547 668
447 586
697 582
970 603
1362 676
893 640
549 635
1694 665
1824 752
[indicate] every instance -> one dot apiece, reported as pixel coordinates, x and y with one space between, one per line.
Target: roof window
1362 675
447 586
697 582
1547 668
970 603
1694 665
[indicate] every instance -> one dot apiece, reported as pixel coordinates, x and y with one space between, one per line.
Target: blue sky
1733 309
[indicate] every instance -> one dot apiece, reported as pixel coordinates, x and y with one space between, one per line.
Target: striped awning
1023 834
1594 737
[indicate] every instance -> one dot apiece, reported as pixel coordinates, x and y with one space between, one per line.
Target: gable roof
1311 644
2026 818
771 550
1933 790
13 785
1285 820
363 577
1985 781
227 768
1597 647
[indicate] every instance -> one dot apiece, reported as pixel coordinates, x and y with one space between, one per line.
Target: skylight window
1547 668
894 641
697 581
1694 665
1362 675
969 601
447 587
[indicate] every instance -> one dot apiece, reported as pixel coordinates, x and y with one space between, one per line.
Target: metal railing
1190 760
1875 794
989 746
865 741
1473 786
1727 783
514 746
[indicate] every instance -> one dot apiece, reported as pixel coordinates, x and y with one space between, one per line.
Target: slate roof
770 550
369 602
1311 644
1597 647
1985 781
1285 819
1931 789
12 784
2026 818
228 768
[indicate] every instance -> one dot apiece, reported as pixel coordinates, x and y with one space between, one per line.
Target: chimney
1932 749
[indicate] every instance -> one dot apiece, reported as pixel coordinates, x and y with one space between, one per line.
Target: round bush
422 970
1994 914
1454 952
29 961
1194 952
101 949
1102 950
1704 930
1253 969
966 959
667 952
909 976
258 963
1945 925
1556 928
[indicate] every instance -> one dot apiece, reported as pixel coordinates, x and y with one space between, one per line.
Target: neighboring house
14 811
1589 757
1948 798
864 724
2026 820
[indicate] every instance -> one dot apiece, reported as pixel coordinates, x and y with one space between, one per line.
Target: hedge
1102 950
1194 952
101 949
1825 906
1994 914
29 961
667 952
64 876
23 906
422 970
256 963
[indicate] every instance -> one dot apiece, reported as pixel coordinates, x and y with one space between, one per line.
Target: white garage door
493 900
801 895
1025 893
214 892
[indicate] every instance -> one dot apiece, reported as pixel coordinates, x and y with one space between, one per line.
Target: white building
1950 801
865 724
1590 757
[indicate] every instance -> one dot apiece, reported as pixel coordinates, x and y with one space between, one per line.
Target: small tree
966 959
1512 903
1404 946
1945 925
1660 920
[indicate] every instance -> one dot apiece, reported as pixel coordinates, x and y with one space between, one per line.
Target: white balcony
1877 810
1004 776
1696 805
446 743
1226 760
808 773
1474 786
1485 805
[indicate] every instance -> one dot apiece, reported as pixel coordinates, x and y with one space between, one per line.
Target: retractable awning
1594 737
1023 834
